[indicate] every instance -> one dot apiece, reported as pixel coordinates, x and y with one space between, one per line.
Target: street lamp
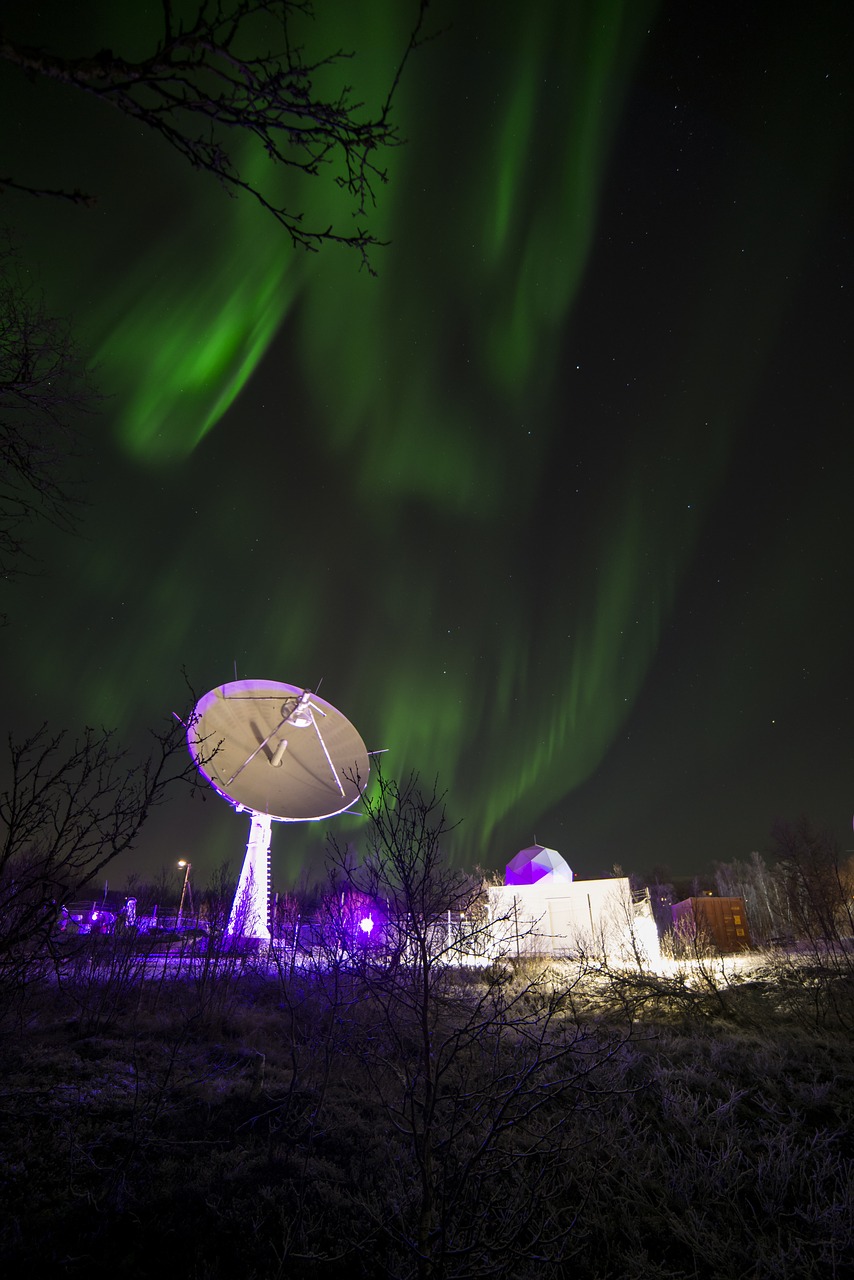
186 885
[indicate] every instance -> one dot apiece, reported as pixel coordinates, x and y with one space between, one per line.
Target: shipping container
721 921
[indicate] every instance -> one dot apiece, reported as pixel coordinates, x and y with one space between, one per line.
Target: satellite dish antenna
280 754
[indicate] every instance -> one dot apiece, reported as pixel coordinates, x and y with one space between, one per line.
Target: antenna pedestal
250 911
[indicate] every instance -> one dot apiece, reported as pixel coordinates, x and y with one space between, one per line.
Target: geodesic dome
532 865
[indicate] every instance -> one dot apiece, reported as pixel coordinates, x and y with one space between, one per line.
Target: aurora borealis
556 504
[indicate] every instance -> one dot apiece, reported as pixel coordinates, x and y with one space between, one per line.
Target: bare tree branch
69 809
219 81
476 1078
75 197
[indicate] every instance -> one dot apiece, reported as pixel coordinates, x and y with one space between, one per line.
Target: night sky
557 505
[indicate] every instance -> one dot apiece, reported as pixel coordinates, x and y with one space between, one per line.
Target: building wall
724 920
596 918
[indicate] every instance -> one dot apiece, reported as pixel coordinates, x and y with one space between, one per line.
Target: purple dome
532 865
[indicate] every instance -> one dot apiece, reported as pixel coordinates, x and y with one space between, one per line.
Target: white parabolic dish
278 750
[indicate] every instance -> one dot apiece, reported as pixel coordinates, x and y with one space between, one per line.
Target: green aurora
468 492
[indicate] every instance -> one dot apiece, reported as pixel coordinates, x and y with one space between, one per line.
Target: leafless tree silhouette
69 809
233 73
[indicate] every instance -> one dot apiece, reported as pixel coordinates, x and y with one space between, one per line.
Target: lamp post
186 885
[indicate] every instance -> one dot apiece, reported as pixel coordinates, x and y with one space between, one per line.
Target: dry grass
232 1123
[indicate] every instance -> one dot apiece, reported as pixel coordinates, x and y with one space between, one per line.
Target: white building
542 910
